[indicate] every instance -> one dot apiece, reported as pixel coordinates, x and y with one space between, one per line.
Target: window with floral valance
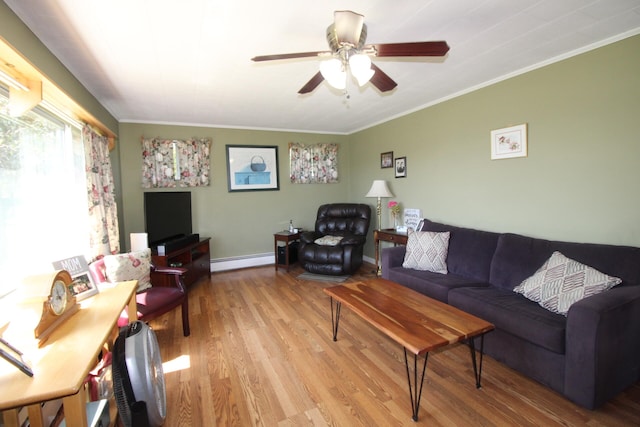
314 163
170 163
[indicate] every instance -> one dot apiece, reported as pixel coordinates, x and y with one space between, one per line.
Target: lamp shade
360 66
333 73
379 189
139 241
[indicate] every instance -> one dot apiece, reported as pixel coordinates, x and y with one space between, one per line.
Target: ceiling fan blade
381 80
312 84
437 48
348 26
289 56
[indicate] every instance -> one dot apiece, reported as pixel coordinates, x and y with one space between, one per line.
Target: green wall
239 223
580 179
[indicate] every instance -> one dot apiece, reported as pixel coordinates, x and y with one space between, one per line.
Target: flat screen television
167 215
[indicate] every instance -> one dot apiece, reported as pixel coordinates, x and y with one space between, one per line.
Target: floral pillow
562 281
130 266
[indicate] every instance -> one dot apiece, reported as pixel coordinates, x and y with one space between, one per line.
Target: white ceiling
188 62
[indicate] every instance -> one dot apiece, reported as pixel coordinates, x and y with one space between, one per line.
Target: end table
387 235
286 237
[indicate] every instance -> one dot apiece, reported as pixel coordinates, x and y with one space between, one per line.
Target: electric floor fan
138 379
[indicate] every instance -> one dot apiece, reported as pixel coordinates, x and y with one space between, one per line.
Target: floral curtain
313 164
103 212
170 163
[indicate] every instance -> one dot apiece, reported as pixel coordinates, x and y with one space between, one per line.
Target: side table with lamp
388 235
379 189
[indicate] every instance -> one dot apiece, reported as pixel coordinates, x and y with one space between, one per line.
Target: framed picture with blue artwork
252 168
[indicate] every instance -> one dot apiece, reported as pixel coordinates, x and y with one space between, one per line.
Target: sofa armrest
391 257
602 347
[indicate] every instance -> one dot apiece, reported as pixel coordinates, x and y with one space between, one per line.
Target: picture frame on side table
252 168
386 160
401 167
412 218
509 142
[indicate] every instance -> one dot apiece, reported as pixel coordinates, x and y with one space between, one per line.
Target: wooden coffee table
419 323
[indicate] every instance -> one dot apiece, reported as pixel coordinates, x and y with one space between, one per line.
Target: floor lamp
379 189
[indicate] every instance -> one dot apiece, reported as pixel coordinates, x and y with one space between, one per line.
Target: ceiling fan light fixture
349 54
334 73
360 66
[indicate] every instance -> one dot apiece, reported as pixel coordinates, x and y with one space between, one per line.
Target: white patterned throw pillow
427 251
328 240
130 266
561 282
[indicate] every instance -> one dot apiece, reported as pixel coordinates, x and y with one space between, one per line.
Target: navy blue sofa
589 356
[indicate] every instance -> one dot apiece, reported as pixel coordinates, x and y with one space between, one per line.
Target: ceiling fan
346 38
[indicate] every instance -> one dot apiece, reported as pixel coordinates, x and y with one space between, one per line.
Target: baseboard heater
245 261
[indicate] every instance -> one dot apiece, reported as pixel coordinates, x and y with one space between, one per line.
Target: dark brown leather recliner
350 221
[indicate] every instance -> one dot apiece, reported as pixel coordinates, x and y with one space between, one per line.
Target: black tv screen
167 215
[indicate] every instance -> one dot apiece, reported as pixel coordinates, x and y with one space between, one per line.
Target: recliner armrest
309 236
352 239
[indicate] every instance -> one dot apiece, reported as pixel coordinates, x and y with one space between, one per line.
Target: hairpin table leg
335 318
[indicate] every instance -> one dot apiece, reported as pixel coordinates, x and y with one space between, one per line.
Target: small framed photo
82 286
386 160
507 143
401 167
252 168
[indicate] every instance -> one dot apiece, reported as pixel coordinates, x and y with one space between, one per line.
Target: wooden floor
261 354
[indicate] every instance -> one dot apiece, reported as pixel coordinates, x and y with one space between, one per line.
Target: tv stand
194 256
176 243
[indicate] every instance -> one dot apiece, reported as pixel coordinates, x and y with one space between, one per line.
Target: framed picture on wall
252 168
507 143
386 160
401 167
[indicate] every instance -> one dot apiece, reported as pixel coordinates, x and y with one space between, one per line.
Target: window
43 200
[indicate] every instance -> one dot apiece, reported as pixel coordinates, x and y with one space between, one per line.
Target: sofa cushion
434 285
561 281
513 313
518 257
427 250
470 251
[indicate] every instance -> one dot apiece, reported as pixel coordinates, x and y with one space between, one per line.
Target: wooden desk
387 235
286 237
62 364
